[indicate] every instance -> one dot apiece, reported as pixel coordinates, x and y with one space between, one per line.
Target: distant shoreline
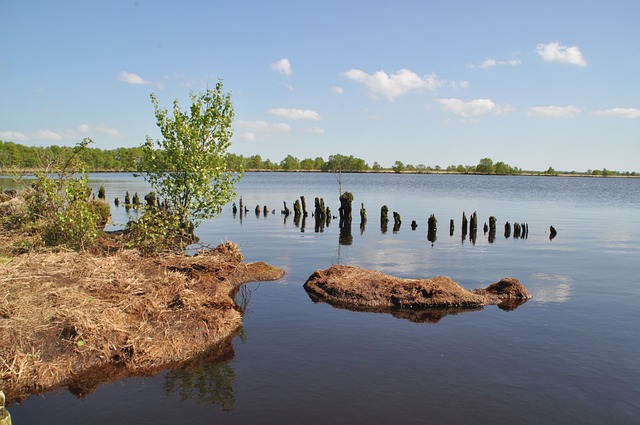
441 172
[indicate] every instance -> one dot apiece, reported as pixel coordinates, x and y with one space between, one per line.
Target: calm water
569 355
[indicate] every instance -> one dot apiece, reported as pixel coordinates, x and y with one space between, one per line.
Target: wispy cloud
552 111
337 90
555 52
619 112
283 66
48 135
473 108
13 136
295 114
314 130
254 131
490 63
85 129
391 86
130 78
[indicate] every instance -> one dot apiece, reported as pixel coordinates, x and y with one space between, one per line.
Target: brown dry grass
64 313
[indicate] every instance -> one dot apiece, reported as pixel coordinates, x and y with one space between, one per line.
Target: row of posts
322 217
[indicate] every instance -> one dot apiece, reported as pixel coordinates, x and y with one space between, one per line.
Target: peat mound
68 317
421 300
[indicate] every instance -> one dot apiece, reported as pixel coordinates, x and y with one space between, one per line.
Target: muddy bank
420 300
68 318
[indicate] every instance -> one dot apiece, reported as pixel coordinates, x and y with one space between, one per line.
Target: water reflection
420 315
206 380
547 288
417 315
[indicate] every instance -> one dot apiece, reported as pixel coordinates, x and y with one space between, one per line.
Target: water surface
569 355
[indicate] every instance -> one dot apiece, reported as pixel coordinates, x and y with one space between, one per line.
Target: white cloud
85 129
131 78
460 84
619 112
337 90
48 135
295 114
258 130
473 108
283 67
314 130
392 86
490 63
554 111
555 52
109 131
13 136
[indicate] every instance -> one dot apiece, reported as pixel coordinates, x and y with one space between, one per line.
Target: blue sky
531 83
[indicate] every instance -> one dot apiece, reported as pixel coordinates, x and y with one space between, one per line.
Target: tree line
14 156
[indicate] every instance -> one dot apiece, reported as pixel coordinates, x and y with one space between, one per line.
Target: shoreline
78 320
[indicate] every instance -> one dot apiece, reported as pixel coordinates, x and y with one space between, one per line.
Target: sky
534 84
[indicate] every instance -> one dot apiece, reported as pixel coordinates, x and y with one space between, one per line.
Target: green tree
398 167
307 164
290 163
485 166
188 167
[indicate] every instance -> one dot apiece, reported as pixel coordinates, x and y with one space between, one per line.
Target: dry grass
64 313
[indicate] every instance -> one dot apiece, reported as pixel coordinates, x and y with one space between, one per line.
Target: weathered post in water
464 224
507 230
451 227
397 221
552 232
492 229
286 211
432 229
345 218
473 228
304 205
297 211
384 218
363 218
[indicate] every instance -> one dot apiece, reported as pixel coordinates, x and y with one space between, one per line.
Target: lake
568 355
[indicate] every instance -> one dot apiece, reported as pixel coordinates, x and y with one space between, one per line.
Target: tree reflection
207 380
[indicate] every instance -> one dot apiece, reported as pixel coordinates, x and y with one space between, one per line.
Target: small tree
188 167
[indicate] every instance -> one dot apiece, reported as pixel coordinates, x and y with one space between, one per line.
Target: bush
158 231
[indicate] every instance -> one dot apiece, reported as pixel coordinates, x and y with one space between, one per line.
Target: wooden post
397 221
451 227
384 218
432 229
492 229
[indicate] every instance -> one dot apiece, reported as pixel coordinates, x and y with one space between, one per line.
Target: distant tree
501 168
290 163
485 166
318 163
376 167
398 167
307 164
